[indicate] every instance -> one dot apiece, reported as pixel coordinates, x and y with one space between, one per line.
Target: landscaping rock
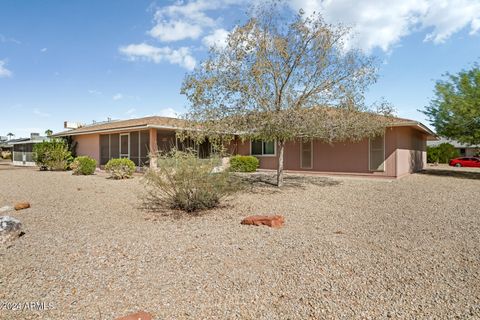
22 205
141 315
6 209
275 221
10 229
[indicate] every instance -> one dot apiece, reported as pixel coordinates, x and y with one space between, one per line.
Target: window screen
104 148
269 147
165 141
134 147
115 145
377 153
306 154
257 148
144 146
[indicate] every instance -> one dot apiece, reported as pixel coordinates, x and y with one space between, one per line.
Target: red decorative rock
22 205
271 221
141 315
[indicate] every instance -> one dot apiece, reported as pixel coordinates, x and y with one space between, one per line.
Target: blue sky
89 60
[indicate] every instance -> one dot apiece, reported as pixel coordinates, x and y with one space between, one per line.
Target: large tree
455 109
281 79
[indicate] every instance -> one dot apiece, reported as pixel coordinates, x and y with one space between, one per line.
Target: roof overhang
123 129
27 141
431 136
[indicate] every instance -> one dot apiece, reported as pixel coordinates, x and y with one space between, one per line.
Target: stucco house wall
88 145
404 147
405 152
411 150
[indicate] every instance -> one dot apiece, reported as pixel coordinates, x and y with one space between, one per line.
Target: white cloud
168 112
43 50
117 96
449 17
181 56
183 20
131 111
175 30
39 113
95 92
5 39
384 23
218 38
4 72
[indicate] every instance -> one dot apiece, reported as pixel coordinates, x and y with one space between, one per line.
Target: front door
125 145
306 154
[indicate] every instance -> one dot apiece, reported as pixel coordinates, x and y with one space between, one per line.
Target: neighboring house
463 149
400 151
23 149
4 146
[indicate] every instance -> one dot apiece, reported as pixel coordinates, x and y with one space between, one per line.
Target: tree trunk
281 146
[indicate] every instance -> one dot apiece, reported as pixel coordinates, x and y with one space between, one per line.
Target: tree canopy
455 109
280 79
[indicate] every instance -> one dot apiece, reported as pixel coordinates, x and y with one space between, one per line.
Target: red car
465 162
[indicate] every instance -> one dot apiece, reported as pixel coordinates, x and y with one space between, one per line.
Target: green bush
442 153
120 168
183 181
243 163
52 155
83 165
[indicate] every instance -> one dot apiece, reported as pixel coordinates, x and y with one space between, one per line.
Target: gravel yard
350 248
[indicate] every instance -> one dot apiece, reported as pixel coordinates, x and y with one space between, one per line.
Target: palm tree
10 135
48 132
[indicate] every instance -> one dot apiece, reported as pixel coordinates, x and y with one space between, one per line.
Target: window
377 153
306 154
262 148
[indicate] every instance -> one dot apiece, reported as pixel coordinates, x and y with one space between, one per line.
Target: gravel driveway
350 248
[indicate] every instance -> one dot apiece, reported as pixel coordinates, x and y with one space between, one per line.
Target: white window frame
264 155
120 154
384 156
301 154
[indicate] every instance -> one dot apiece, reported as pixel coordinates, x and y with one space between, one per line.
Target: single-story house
400 151
23 149
463 149
4 146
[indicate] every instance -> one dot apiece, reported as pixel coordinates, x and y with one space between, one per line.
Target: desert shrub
83 165
120 168
183 181
6 155
243 163
442 153
52 155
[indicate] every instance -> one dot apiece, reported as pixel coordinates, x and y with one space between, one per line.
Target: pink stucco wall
404 152
88 145
411 150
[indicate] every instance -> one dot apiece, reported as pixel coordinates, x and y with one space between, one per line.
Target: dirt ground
350 248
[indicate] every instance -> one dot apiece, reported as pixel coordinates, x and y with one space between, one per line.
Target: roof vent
71 125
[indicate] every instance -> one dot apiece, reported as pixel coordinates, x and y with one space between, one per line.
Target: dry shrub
183 181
